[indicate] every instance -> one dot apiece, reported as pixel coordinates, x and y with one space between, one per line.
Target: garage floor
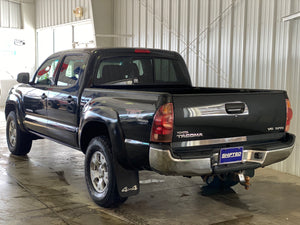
48 187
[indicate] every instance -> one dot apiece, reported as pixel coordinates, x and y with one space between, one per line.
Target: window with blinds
10 14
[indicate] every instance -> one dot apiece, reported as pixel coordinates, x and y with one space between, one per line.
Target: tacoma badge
186 134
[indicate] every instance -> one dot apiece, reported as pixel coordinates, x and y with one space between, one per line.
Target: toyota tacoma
131 109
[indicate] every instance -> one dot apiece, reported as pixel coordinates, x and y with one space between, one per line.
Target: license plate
231 155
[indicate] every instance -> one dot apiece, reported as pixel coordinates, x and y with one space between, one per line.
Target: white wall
59 29
15 59
19 58
225 43
103 19
56 14
64 37
50 13
10 14
28 14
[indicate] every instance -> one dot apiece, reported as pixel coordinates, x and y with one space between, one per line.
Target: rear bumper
162 161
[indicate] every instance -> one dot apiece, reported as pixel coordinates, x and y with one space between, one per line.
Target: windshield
141 71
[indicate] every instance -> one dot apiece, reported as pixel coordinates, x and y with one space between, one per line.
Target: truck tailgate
228 116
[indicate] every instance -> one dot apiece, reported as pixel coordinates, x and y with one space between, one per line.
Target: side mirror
23 78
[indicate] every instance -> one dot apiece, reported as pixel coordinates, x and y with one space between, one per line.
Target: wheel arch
105 122
91 130
10 107
14 103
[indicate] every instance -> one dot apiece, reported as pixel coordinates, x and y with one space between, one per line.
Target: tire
221 181
18 142
99 174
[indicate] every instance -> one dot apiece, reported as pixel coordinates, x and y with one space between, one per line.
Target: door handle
235 108
70 99
44 96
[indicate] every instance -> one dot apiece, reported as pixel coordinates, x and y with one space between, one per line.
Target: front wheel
18 142
100 175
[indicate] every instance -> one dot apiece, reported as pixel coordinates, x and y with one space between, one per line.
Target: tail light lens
289 115
162 127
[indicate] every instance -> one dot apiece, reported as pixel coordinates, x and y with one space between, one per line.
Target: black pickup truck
135 109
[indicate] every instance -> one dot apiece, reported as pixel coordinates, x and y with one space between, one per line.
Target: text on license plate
231 155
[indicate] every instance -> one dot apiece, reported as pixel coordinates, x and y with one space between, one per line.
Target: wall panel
10 14
57 12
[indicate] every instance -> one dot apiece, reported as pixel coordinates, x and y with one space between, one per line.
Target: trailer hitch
244 180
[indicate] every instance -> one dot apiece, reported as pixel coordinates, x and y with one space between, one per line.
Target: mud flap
127 181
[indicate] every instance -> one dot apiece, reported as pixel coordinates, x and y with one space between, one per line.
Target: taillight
162 127
289 115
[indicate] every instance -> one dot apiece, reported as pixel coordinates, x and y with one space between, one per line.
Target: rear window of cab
139 71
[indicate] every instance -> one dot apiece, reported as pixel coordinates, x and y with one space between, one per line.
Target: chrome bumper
163 162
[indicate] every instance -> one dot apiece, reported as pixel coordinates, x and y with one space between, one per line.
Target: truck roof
160 52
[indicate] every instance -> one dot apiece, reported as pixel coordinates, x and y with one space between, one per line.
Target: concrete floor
47 187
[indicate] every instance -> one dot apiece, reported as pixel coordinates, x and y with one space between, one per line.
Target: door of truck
36 96
63 99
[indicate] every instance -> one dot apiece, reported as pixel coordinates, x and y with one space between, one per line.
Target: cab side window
71 69
46 74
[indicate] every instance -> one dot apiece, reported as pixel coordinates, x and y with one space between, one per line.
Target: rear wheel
221 181
18 142
100 175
